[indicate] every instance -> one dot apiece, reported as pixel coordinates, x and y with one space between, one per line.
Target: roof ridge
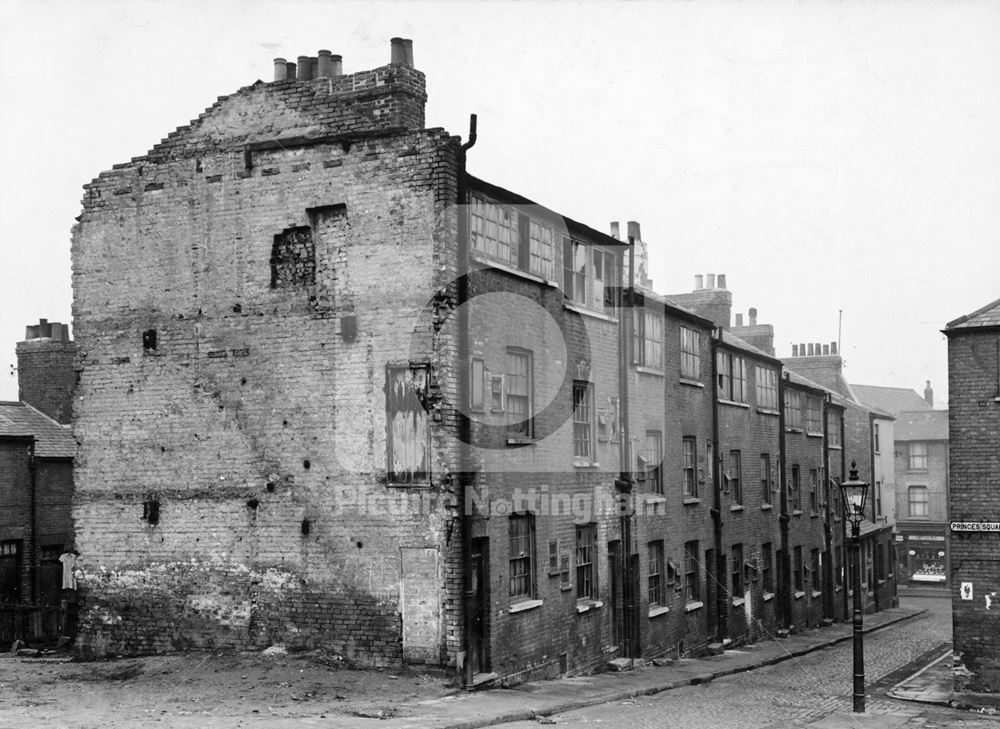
967 317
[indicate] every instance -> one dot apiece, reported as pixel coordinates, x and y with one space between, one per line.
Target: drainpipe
874 535
626 355
721 611
33 543
465 475
827 533
785 570
843 522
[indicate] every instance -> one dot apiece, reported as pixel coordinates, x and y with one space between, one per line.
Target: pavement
535 700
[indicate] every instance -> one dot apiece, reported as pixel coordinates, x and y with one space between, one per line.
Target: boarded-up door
420 604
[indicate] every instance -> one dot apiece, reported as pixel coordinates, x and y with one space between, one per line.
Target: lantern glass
855 492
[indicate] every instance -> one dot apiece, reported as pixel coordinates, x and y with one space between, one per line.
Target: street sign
975 526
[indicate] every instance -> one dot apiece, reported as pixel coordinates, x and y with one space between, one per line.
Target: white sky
823 155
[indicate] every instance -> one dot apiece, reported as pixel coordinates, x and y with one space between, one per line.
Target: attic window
293 258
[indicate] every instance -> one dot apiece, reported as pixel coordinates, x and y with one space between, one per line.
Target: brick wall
974 429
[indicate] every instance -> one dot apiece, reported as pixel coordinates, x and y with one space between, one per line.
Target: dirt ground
204 690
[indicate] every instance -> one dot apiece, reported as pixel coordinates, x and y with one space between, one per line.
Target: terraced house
337 392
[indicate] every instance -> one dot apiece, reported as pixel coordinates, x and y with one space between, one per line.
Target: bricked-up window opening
735 477
654 461
692 580
494 231
917 456
583 420
798 566
878 498
553 557
519 384
477 385
408 430
293 258
814 421
50 574
793 409
766 567
732 371
655 576
765 478
833 429
918 502
767 387
737 574
149 340
813 491
875 437
796 489
151 511
816 571
522 556
574 270
690 353
689 464
10 571
586 579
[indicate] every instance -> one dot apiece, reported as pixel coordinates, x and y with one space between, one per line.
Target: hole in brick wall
306 464
306 527
253 503
293 258
237 308
270 487
284 423
151 511
359 545
243 380
149 339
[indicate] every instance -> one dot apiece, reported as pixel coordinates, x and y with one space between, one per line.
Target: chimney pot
280 69
337 65
698 282
739 320
795 350
929 394
303 69
802 349
812 349
397 52
826 349
710 281
753 316
819 349
633 230
324 67
833 348
408 52
290 71
615 230
722 280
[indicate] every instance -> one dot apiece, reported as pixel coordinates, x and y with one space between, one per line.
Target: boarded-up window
293 258
10 571
408 437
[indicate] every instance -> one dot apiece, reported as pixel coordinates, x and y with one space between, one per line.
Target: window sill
768 596
767 411
835 447
736 507
766 507
793 429
799 594
734 404
513 440
512 270
817 593
583 606
691 383
691 500
796 512
649 370
658 610
582 309
738 601
655 499
692 606
810 434
813 514
520 607
584 463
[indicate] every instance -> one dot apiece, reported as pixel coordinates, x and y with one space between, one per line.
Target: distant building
36 489
974 496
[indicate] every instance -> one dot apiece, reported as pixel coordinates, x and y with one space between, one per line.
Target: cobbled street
798 691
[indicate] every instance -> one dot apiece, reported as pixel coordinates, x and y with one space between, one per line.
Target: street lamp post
855 491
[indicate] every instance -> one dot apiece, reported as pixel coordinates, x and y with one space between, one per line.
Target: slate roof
988 316
924 425
892 400
52 440
734 341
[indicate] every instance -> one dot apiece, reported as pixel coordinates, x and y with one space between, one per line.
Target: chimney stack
616 232
633 230
929 394
710 281
739 320
45 374
753 316
698 282
722 280
397 55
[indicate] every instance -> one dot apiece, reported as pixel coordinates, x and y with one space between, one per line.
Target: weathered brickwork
974 460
